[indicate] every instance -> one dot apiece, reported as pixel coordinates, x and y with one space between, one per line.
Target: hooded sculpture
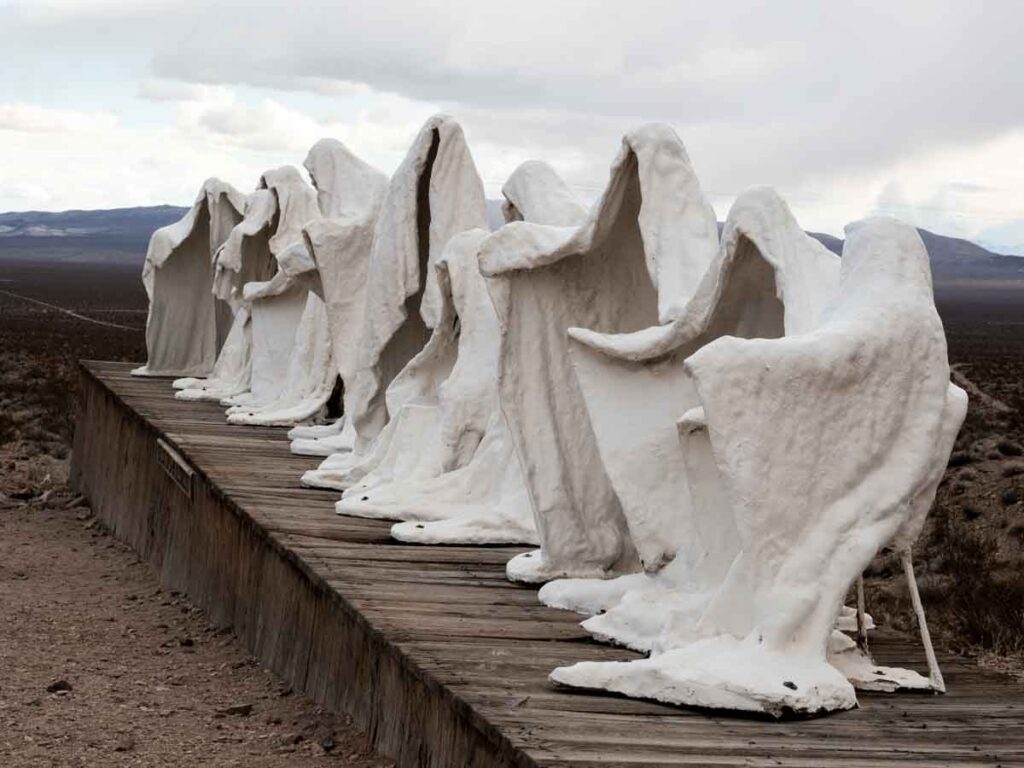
187 324
634 261
277 305
329 265
437 406
435 194
482 500
805 455
769 279
250 267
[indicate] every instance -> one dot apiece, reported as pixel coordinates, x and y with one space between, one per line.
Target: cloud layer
912 108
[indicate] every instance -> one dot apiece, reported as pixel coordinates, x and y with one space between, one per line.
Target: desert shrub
982 609
959 459
7 427
967 475
1016 529
1008 448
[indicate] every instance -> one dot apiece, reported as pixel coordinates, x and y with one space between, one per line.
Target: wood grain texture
440 659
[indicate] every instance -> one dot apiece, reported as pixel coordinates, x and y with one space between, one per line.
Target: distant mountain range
115 237
955 261
120 237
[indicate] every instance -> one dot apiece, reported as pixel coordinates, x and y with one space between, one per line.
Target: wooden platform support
441 660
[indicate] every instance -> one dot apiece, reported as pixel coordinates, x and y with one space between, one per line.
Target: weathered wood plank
431 650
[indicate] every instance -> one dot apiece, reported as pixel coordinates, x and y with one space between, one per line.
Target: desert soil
149 682
100 666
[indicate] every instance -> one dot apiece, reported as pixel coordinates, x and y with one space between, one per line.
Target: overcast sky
910 108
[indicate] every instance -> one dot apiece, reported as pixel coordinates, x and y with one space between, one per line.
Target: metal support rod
934 673
862 624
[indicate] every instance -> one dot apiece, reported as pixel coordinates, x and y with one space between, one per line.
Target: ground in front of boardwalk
100 666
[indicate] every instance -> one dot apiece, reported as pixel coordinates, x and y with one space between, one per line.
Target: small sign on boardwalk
175 467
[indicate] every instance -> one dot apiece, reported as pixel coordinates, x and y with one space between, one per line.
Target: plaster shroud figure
277 305
483 501
186 325
440 401
769 279
329 262
435 194
634 262
817 449
249 257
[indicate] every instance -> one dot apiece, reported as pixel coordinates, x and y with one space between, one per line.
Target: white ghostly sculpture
186 325
769 279
276 306
435 194
438 401
633 263
482 500
249 267
329 265
806 455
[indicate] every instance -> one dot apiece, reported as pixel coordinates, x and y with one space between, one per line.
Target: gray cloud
786 92
789 88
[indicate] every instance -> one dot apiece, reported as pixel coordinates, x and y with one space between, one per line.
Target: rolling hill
119 237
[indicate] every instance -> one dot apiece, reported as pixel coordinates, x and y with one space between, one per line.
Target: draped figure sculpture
276 306
800 457
634 262
473 490
769 279
187 324
328 266
435 194
254 357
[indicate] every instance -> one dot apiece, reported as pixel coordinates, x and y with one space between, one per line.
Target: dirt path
99 666
69 312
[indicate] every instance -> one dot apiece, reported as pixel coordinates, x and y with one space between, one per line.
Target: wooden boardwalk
430 649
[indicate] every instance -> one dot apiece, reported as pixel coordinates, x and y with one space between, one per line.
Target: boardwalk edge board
431 651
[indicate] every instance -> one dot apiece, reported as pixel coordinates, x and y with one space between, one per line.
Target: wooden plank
441 659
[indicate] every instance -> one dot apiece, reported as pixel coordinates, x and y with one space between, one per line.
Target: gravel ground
100 666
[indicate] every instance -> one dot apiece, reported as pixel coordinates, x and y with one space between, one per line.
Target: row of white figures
709 437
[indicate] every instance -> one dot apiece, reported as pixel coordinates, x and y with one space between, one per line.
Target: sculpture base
460 531
533 568
721 673
431 650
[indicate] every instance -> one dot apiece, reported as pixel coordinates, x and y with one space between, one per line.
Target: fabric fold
804 455
187 324
480 495
327 267
636 259
434 195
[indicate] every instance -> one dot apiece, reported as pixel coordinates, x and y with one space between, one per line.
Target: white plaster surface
435 193
708 438
186 325
326 268
634 261
479 497
818 448
864 674
442 399
721 673
769 278
249 275
485 502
